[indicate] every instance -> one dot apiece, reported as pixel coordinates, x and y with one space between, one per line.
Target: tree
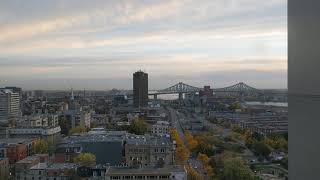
236 169
182 154
78 129
235 106
85 159
203 158
41 147
139 126
205 161
192 142
218 161
193 174
257 136
236 128
277 142
261 149
207 143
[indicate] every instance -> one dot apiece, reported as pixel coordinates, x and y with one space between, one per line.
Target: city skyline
98 45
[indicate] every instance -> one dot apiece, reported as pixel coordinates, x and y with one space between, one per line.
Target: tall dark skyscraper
140 89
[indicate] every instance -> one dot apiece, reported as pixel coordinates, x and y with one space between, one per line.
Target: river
278 104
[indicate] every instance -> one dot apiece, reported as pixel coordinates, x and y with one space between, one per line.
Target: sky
99 44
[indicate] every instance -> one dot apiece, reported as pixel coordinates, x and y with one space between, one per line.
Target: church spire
72 96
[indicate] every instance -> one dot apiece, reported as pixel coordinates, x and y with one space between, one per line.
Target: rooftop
148 140
39 166
28 159
62 166
5 141
92 137
146 170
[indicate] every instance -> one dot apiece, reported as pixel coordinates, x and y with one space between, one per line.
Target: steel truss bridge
239 89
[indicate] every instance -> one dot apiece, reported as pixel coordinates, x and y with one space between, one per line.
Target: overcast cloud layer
98 44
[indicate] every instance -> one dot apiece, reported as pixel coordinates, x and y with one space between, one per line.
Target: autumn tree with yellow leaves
192 142
86 159
205 161
182 153
193 174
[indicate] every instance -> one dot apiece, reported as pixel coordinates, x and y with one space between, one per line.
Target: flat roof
15 140
148 140
145 170
28 159
62 166
39 166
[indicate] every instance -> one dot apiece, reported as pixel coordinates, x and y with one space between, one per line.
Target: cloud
109 15
81 39
168 38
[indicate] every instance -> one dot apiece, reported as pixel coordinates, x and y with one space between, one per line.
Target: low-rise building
16 149
23 166
65 152
165 173
48 133
4 168
34 120
108 148
141 151
262 123
52 171
160 128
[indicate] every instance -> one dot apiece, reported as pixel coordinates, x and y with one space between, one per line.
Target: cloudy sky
98 44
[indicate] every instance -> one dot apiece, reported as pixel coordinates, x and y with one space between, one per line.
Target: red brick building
16 152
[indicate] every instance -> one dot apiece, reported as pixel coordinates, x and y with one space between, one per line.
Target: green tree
139 126
41 147
261 149
236 169
85 159
207 143
235 106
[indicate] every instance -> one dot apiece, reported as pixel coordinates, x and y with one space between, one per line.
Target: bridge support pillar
155 96
180 96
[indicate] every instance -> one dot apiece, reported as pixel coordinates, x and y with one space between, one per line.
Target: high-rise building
140 89
9 105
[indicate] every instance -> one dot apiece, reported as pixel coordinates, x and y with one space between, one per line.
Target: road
176 119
